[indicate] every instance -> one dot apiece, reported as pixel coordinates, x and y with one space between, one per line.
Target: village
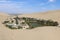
16 23
27 23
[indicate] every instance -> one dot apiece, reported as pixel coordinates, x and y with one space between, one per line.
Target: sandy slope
53 15
3 16
41 33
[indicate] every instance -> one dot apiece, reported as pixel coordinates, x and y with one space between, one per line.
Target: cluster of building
17 22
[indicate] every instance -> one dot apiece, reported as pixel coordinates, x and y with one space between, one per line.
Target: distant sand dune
40 33
53 15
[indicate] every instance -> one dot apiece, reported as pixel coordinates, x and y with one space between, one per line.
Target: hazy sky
28 6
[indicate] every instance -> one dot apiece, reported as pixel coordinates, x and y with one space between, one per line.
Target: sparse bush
19 27
5 22
55 24
24 18
49 23
9 26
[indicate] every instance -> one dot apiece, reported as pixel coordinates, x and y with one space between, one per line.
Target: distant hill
15 14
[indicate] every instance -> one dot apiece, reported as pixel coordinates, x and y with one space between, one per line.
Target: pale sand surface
40 33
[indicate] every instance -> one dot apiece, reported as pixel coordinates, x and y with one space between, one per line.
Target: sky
28 6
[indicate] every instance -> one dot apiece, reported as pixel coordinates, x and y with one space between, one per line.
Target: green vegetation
5 22
32 22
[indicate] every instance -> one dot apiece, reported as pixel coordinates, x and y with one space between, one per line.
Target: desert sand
40 33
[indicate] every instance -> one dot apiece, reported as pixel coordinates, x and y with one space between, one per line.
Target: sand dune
3 16
53 15
41 33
